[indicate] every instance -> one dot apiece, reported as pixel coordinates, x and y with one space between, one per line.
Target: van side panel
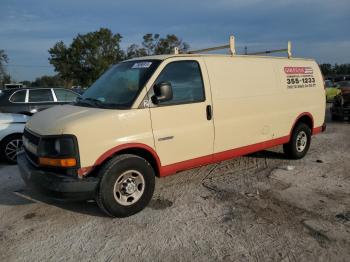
111 129
251 101
307 96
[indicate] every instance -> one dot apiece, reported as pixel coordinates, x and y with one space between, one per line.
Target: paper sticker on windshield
142 65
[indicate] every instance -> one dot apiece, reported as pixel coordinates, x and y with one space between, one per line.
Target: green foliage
46 81
135 51
328 69
88 56
3 60
153 44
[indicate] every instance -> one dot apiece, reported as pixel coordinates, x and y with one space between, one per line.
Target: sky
317 28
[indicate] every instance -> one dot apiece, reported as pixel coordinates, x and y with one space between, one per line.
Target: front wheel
10 146
299 142
126 187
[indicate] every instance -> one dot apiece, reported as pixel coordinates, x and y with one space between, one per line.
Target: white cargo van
158 115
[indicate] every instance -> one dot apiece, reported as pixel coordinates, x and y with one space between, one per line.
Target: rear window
40 95
19 96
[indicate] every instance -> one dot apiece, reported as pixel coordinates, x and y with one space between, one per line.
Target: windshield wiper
91 102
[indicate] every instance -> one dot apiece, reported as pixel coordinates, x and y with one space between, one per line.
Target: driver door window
186 81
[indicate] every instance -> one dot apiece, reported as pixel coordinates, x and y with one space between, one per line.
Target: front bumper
55 185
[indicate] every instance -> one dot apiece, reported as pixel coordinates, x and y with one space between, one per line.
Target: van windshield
120 85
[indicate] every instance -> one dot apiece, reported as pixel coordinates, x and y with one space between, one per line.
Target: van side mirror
162 92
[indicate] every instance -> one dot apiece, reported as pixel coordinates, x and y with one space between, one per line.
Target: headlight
60 146
58 151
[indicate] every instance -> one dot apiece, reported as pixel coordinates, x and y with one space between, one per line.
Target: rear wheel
126 187
299 142
10 146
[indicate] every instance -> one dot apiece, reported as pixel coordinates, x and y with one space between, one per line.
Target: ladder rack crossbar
209 49
269 52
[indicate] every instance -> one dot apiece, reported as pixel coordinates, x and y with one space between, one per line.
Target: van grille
34 139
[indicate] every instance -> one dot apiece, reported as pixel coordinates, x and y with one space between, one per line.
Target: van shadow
14 192
18 193
25 195
268 154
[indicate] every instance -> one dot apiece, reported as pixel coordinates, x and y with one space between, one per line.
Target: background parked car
331 90
341 106
11 131
344 86
28 101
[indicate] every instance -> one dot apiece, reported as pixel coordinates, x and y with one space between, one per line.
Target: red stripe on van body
229 154
83 171
317 130
196 162
116 149
221 156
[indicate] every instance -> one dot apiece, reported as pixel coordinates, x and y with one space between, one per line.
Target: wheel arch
305 118
11 134
141 150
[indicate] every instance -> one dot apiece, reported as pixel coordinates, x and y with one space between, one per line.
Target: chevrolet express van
158 115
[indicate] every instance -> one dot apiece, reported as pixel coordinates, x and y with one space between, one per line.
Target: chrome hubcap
301 141
129 187
12 148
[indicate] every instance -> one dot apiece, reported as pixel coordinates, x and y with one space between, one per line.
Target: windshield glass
119 86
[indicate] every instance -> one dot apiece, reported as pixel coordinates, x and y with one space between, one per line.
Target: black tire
9 147
115 181
297 146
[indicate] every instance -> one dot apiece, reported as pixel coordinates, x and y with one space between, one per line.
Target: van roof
163 57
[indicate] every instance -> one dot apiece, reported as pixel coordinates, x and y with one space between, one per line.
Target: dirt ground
260 207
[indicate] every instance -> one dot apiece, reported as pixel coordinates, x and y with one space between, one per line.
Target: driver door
183 127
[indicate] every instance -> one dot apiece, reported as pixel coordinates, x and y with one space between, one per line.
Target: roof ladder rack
288 50
232 47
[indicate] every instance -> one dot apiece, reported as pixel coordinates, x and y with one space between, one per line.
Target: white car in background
11 132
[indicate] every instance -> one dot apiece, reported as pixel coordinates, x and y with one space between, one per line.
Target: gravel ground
254 208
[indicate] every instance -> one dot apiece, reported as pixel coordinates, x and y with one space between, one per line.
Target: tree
27 83
150 42
62 61
326 69
167 45
87 57
3 60
135 51
153 44
48 81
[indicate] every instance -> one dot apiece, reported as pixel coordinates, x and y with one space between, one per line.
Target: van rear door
183 127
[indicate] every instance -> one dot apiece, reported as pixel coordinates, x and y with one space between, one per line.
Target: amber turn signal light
58 162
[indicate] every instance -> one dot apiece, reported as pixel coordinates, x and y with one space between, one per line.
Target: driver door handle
209 112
